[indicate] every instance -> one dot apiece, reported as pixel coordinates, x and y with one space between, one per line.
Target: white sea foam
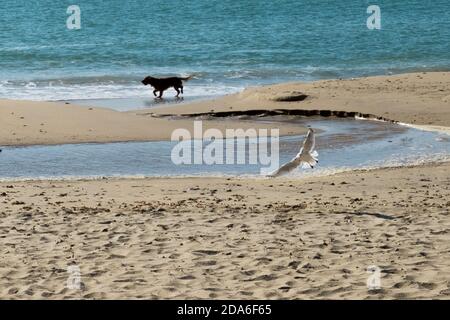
300 174
398 163
123 177
53 90
431 128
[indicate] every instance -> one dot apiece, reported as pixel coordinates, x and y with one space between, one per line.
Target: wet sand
229 238
49 123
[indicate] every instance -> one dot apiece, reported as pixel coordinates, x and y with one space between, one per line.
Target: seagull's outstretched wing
307 155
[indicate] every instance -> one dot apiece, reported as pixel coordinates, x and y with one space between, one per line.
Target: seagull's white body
307 155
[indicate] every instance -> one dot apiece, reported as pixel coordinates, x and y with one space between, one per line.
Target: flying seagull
307 155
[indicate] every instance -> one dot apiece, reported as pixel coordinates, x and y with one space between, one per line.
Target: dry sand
229 238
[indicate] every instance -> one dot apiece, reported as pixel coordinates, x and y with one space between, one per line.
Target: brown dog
162 84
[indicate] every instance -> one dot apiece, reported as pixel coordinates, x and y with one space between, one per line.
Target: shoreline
250 177
416 99
31 123
431 128
346 145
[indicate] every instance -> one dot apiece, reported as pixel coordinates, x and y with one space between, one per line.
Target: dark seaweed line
277 112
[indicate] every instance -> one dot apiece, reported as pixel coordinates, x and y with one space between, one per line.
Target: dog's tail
187 78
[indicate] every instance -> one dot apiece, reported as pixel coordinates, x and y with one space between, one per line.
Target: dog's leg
160 94
154 92
178 91
182 89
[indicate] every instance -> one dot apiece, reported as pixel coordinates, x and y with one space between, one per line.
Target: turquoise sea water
226 44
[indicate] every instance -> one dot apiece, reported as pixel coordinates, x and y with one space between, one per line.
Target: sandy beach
414 98
230 238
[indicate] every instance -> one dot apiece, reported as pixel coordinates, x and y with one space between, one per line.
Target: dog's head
148 80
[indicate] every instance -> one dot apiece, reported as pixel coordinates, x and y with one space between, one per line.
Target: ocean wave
214 81
106 88
52 46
